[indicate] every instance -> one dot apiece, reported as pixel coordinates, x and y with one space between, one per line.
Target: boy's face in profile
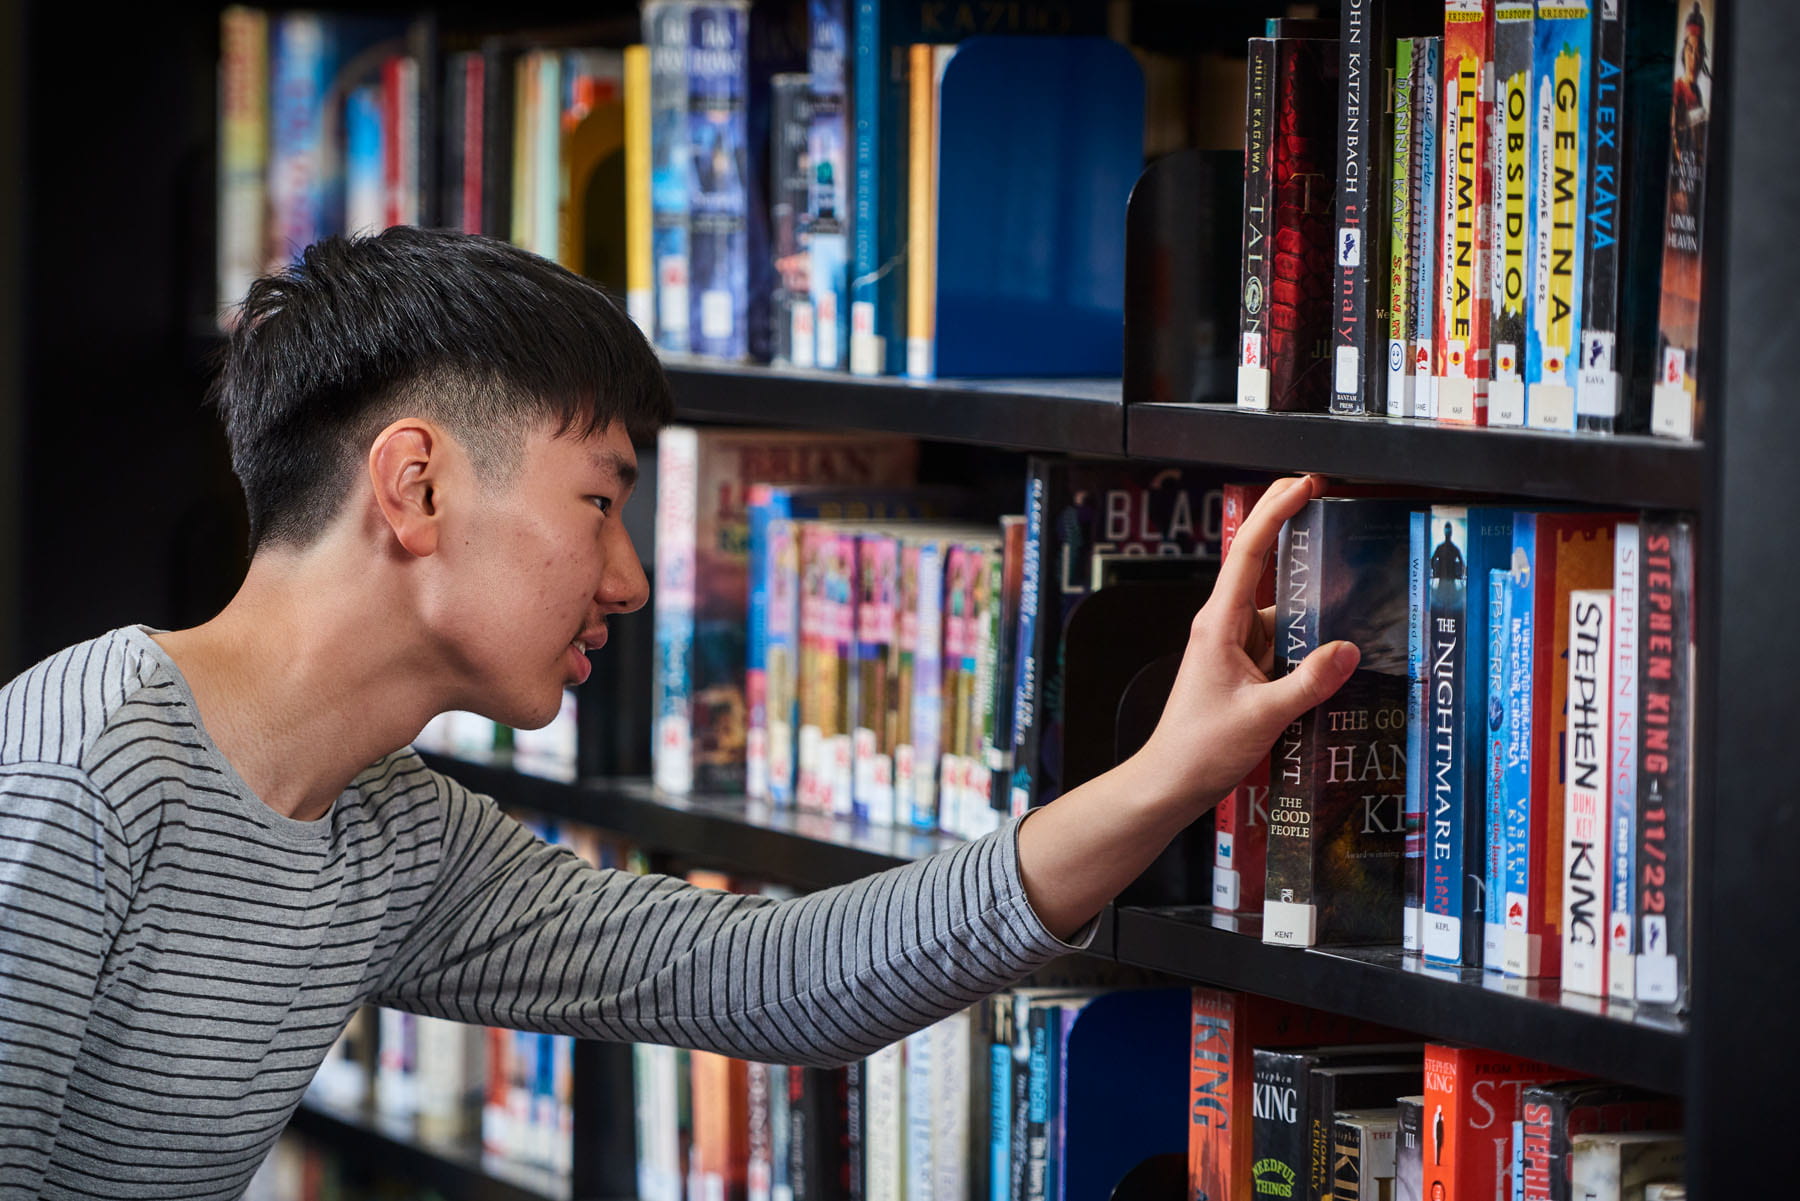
535 567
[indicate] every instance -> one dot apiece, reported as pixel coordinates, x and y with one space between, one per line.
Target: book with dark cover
1677 403
1077 510
1338 774
1418 553
1333 1088
1346 1162
1597 390
666 32
1553 1114
1665 780
790 306
1649 79
719 178
1367 29
1287 366
1409 1150
1258 251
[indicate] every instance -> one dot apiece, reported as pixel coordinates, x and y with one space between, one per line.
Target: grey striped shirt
176 958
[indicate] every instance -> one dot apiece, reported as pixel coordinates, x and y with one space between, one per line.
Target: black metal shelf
458 1168
807 849
1642 1045
1625 470
1073 415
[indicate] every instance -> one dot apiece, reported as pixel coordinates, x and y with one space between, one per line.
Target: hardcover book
1472 1098
1510 206
1409 1150
1333 1089
1338 774
1554 1115
1561 65
1282 1131
1362 1161
701 711
1285 357
1461 348
1677 402
1553 554
1665 779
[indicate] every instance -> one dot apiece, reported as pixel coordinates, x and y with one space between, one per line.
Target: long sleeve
518 933
62 896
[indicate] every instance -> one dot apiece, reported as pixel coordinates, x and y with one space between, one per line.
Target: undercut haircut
486 339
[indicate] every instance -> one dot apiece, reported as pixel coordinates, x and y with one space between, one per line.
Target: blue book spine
1561 62
1517 954
364 202
1415 730
1492 947
1451 926
1039 1097
874 116
1000 1120
756 648
928 681
718 198
1031 602
666 33
299 72
828 185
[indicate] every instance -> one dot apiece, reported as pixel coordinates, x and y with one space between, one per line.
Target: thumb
1313 681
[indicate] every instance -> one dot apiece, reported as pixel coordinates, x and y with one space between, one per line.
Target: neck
302 683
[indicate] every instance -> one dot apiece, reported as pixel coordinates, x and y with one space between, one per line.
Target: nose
623 586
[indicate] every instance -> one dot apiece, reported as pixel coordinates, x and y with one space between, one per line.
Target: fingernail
1346 657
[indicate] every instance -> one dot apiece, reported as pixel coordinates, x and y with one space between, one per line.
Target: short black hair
467 330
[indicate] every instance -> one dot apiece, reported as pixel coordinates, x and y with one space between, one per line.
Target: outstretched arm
1224 713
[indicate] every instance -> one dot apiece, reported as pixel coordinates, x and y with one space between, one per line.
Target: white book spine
1585 828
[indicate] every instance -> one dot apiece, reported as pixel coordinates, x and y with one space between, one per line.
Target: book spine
1401 268
1535 1150
877 580
1006 663
956 693
1279 1132
759 1166
1409 1151
1417 712
1035 598
1299 303
921 1066
1259 258
790 168
877 278
299 68
453 142
982 815
828 142
1464 303
364 204
718 200
640 268
1511 225
1665 711
884 1146
1622 761
243 150
1212 1120
756 646
1000 1098
843 600
1360 257
1597 388
928 684
1038 1099
1427 120
1676 401
1018 1169
781 1130
1585 823
1452 932
666 34
921 101
784 653
1290 910
1495 723
1649 81
474 142
678 479
1346 1162
1562 62
1522 948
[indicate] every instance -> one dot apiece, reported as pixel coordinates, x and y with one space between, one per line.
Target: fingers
1250 548
1314 680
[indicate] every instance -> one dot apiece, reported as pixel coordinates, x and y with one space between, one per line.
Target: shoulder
56 711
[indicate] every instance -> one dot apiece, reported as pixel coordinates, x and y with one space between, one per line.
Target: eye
603 503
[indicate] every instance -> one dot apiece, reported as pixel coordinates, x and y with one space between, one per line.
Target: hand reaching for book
1225 712
1222 716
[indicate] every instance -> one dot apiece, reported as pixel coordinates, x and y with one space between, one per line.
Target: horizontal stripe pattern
176 958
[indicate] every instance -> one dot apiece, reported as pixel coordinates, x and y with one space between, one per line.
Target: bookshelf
1732 1048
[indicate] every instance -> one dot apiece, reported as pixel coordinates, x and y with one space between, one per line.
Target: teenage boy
215 843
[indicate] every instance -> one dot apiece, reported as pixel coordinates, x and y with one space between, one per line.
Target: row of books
833 636
509 1091
549 751
1052 1091
758 180
1506 779
1515 233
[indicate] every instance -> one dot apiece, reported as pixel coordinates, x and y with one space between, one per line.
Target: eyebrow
623 468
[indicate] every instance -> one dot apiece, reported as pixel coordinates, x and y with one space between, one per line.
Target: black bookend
1159 1178
1182 874
1183 229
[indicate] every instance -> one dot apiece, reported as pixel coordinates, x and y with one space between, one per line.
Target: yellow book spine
524 174
640 287
921 283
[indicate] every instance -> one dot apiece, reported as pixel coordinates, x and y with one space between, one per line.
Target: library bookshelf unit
107 249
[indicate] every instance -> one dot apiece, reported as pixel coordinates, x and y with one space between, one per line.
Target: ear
407 465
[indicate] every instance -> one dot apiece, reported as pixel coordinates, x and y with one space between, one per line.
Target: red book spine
1303 153
475 80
